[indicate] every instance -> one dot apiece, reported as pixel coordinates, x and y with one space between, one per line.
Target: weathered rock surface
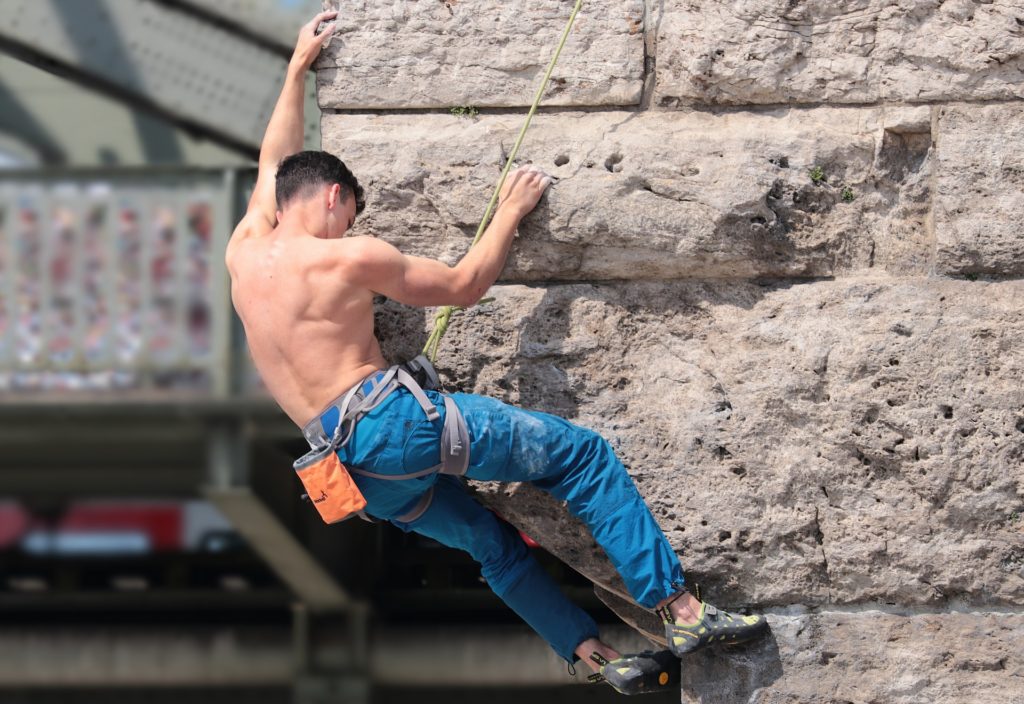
659 195
979 197
849 442
833 656
853 51
482 54
847 454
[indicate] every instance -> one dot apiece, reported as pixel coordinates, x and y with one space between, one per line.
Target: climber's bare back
310 331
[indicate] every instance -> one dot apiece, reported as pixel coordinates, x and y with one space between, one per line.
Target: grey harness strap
455 440
354 405
363 406
419 509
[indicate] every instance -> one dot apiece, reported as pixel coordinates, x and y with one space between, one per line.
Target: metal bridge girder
219 83
287 557
271 21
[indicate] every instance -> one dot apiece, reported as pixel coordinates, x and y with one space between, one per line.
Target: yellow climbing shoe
713 627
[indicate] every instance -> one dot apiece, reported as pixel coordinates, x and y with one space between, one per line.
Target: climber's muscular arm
285 131
416 281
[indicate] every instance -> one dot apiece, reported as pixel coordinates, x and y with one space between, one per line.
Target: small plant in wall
847 195
464 111
817 175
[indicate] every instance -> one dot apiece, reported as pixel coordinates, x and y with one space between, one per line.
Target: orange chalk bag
329 485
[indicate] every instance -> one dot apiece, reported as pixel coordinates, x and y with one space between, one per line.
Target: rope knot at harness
442 320
444 316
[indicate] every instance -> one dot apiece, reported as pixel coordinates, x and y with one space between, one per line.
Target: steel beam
178 64
272 22
56 459
285 555
411 656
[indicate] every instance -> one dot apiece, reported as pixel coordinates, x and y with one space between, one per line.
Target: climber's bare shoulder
307 314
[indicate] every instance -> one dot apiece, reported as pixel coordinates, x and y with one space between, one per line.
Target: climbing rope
444 316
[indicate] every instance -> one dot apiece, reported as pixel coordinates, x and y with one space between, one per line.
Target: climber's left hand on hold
309 43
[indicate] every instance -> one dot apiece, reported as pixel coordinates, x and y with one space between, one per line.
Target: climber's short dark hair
300 174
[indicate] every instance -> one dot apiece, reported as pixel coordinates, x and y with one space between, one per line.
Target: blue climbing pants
510 444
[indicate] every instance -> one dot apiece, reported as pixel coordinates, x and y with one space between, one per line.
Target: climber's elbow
467 289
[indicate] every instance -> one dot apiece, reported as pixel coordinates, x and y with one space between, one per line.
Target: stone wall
779 270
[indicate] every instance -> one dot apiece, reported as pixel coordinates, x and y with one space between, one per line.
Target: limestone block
483 54
980 189
657 194
834 442
869 655
851 51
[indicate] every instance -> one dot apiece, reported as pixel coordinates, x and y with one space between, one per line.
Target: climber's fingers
538 175
309 43
321 17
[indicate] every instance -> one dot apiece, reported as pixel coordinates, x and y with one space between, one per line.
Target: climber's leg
455 519
578 466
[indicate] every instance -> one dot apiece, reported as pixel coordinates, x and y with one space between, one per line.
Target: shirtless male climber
304 292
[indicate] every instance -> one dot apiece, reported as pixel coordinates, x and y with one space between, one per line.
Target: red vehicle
115 528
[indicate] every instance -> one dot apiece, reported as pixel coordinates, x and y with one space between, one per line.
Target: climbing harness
328 482
443 318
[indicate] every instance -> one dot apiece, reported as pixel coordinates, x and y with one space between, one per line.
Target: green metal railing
113 282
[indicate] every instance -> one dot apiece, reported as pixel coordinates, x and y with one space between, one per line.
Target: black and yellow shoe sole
642 673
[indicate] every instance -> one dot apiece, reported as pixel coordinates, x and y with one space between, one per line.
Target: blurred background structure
152 540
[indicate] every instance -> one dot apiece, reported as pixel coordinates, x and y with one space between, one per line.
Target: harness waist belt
358 401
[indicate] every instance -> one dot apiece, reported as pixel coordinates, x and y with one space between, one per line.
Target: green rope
444 316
